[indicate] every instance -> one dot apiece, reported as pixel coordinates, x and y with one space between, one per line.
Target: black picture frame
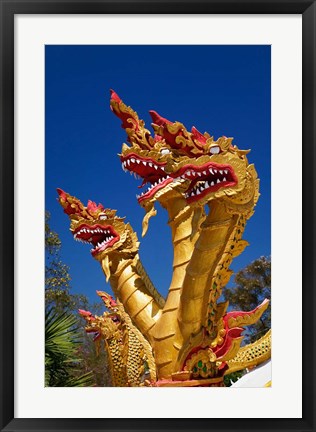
8 10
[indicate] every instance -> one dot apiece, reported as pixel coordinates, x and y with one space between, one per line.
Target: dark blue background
224 90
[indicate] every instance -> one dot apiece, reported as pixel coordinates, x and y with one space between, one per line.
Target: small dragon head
99 227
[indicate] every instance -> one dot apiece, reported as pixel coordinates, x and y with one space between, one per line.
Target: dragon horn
84 313
70 204
198 136
241 319
157 119
115 96
128 116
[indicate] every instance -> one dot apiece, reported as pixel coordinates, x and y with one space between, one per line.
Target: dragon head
219 171
146 157
176 162
107 325
101 228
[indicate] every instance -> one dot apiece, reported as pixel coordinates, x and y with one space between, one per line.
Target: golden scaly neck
184 222
208 250
130 288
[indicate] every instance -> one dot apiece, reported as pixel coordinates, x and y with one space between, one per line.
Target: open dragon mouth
152 173
206 178
99 236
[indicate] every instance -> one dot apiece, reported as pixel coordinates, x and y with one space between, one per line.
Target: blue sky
224 90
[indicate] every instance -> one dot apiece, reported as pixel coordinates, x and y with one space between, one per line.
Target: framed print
72 74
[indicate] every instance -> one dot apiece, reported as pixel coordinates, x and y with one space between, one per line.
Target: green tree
57 277
233 377
63 368
251 286
62 341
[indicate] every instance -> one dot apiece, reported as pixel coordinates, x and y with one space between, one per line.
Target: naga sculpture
131 362
194 341
115 246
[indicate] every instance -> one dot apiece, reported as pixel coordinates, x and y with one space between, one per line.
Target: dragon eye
164 151
103 216
215 150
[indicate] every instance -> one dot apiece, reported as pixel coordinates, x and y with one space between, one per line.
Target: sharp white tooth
204 172
144 163
226 171
150 164
123 167
128 162
224 179
212 183
124 163
138 161
199 174
163 168
211 171
155 166
132 160
220 171
215 171
84 230
218 181
206 184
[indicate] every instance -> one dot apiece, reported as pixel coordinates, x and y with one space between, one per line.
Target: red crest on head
93 207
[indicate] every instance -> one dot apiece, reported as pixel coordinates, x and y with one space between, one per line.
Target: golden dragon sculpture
130 356
115 246
194 340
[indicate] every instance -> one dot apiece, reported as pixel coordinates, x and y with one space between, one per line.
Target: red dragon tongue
143 184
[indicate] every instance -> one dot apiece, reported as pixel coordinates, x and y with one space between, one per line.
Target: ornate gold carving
189 332
252 354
